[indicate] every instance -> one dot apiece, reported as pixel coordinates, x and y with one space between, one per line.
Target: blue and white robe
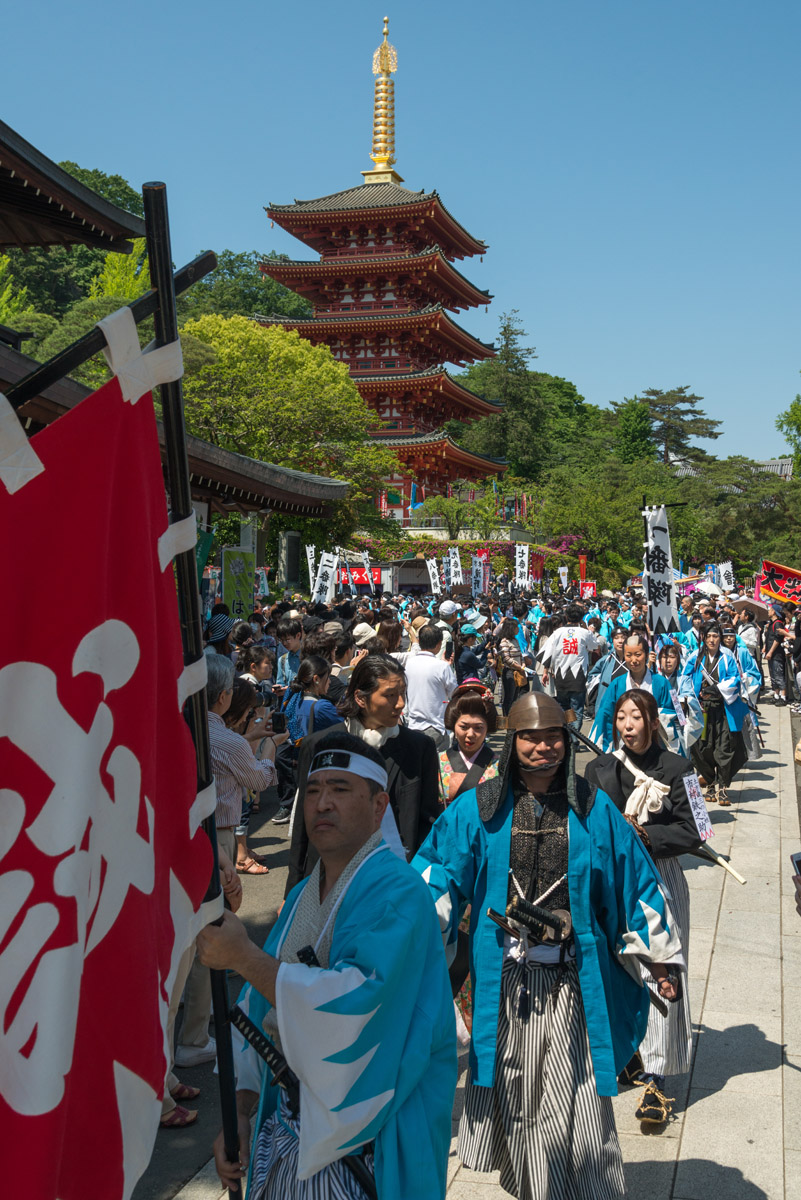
728 684
619 912
603 727
372 1038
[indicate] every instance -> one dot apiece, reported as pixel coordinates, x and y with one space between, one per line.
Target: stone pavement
736 1133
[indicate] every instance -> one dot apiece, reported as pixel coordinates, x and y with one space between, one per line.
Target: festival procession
399 799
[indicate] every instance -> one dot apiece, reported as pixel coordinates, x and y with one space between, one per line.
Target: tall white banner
521 563
366 563
433 575
310 561
657 572
476 575
726 576
563 574
446 572
326 572
456 565
333 583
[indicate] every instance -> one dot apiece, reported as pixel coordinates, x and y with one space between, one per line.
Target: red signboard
780 583
360 575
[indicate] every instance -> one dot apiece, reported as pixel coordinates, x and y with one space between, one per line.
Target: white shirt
430 683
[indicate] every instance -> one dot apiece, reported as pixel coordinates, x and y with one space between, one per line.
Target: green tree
57 277
238 287
454 512
271 395
124 276
788 424
13 299
676 420
634 439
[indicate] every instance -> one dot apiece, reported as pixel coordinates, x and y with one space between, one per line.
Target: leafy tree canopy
676 421
633 433
788 423
238 287
272 395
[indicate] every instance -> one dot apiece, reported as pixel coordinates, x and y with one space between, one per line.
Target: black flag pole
166 326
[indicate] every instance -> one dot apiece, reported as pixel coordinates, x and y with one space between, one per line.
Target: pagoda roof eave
384 264
434 316
367 199
444 440
398 381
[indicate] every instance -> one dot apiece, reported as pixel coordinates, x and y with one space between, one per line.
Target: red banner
360 575
103 863
588 590
582 567
483 554
780 583
536 567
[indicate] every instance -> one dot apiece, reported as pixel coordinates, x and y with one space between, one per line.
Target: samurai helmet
536 710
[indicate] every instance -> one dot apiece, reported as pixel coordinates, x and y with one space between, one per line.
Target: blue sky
632 164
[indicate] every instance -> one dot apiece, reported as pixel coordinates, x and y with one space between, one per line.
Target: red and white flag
103 866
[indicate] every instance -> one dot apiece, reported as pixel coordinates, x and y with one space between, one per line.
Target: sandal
654 1108
251 867
179 1118
184 1091
709 796
723 798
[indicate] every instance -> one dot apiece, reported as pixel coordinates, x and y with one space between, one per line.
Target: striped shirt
236 769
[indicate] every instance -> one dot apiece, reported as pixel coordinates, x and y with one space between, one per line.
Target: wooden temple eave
324 230
43 205
428 276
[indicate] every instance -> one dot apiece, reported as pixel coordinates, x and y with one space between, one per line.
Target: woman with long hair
648 784
512 670
308 710
468 661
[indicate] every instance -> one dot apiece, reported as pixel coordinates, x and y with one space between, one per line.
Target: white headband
356 764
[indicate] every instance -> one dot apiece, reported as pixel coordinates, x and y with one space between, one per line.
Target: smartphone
795 859
279 722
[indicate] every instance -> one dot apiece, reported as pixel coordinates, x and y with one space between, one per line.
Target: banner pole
159 254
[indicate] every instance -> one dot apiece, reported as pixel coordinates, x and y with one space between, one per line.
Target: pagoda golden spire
385 64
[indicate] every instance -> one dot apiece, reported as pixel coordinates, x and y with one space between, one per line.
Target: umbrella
709 588
760 610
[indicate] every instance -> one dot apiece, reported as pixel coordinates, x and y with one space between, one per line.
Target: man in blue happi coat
369 1028
557 1013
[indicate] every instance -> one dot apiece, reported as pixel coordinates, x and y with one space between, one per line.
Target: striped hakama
543 1124
274 1172
666 1048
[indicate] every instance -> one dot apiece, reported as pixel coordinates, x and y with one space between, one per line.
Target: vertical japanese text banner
325 573
476 575
521 564
433 576
457 576
238 568
104 865
657 574
310 560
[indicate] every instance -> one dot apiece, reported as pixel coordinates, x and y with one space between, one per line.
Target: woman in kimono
711 675
647 784
470 716
607 668
750 687
637 675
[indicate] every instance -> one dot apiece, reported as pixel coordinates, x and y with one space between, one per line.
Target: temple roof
433 317
436 439
437 376
43 205
431 259
371 198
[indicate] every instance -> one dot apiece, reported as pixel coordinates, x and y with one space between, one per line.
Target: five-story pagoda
381 293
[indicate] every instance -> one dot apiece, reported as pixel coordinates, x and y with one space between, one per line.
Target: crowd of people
439 792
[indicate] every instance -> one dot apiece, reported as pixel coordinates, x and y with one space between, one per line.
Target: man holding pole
352 987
